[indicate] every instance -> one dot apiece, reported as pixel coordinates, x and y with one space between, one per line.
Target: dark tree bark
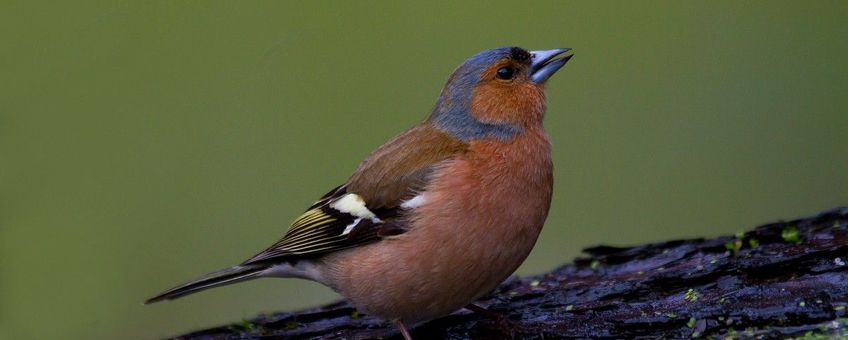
788 278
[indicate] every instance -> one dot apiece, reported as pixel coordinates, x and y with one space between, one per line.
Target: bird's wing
368 206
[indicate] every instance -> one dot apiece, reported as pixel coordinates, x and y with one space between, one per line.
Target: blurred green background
143 144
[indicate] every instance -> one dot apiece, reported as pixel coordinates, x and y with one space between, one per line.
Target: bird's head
497 93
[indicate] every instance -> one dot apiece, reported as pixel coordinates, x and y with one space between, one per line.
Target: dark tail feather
211 280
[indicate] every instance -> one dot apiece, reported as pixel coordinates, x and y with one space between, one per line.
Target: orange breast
481 218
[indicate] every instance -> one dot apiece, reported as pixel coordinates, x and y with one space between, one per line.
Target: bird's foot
403 330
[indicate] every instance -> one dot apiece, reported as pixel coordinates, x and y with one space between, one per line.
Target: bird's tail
216 279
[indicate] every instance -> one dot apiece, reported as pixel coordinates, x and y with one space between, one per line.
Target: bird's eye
506 73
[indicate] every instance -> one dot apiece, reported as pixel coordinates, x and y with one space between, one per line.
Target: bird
440 214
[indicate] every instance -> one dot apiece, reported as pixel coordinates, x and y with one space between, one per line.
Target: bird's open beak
543 64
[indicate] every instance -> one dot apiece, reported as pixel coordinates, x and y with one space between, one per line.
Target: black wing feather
323 229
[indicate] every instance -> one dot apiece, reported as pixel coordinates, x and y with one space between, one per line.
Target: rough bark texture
788 278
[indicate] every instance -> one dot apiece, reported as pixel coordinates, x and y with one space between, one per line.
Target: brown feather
400 168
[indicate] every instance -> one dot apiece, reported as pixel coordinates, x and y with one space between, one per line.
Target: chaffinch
440 214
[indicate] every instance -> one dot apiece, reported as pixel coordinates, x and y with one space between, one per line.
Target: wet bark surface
782 279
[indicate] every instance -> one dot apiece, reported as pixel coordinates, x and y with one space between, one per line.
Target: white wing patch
414 202
354 204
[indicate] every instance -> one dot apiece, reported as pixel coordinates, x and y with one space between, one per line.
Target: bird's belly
400 279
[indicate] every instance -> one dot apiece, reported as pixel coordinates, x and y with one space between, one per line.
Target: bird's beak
543 64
